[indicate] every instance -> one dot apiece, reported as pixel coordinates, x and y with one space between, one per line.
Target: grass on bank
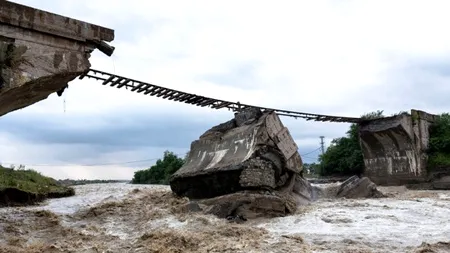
28 180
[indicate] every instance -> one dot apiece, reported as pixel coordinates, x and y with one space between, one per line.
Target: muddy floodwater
144 218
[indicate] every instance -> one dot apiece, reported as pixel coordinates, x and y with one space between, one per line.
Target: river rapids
148 218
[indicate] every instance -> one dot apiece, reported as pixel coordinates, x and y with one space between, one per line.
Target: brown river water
145 218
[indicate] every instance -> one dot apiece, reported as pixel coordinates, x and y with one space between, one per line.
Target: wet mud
152 219
15 197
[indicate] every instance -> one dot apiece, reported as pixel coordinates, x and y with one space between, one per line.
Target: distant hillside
20 186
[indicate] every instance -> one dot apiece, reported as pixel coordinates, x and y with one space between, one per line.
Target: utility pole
322 147
322 144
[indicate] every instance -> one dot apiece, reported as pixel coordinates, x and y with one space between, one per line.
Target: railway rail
144 88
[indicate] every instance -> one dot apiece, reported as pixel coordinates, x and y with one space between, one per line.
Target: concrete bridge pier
40 52
394 148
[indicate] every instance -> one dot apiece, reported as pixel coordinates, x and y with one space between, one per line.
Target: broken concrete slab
356 187
353 187
249 165
253 204
249 205
40 52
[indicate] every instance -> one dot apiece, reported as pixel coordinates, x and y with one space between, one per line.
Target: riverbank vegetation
439 145
344 155
19 185
160 172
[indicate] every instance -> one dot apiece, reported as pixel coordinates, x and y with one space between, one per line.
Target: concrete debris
250 205
247 167
356 187
40 52
352 188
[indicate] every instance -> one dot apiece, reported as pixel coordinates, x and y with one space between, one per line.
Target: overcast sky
334 57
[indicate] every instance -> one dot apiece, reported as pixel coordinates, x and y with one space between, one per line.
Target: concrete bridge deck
40 52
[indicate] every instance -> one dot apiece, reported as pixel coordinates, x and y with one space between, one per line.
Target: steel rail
197 100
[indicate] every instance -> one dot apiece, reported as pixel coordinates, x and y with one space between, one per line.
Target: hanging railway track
197 100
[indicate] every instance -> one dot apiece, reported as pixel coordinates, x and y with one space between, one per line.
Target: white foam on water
380 223
90 195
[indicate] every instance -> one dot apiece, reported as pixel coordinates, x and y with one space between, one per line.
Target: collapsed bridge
394 148
41 52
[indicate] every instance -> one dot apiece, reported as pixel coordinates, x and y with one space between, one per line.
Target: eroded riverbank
22 187
119 218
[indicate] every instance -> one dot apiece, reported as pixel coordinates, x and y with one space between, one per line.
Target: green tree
344 155
160 172
439 144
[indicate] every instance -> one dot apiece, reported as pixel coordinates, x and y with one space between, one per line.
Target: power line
310 152
89 165
309 157
113 163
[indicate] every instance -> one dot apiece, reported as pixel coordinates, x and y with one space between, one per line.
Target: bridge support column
394 148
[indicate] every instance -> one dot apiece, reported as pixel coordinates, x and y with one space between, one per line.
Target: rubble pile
246 167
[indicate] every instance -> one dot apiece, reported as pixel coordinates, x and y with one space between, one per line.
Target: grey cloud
141 131
139 157
413 83
302 129
126 27
436 67
138 28
241 75
422 84
82 154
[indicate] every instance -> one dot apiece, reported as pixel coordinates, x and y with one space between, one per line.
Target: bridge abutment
394 148
40 52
